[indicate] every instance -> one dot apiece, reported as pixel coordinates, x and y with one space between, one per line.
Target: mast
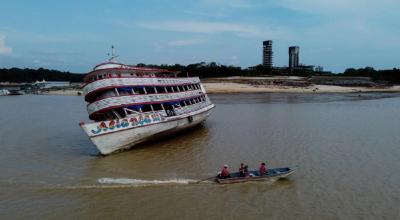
113 56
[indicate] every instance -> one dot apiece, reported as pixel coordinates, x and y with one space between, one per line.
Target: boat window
160 89
169 109
138 90
169 89
125 91
146 108
157 107
150 90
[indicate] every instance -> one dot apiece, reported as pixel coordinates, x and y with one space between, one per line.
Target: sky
76 35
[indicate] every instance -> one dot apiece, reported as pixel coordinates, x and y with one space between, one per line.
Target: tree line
202 70
391 76
18 75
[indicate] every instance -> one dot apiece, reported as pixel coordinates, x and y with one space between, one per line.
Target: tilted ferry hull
120 140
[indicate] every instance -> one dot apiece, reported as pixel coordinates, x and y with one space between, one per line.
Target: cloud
186 42
204 14
241 30
4 49
352 7
230 3
199 27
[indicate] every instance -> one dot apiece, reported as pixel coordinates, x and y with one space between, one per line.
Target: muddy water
347 148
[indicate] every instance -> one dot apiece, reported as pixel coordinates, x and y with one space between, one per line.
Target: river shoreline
233 87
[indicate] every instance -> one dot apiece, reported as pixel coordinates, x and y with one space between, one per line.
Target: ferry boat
130 105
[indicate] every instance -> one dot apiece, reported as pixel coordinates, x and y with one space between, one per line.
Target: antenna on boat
112 55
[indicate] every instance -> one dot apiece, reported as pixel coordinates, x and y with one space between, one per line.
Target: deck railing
118 82
140 99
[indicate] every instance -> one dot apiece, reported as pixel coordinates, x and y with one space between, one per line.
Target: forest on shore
202 70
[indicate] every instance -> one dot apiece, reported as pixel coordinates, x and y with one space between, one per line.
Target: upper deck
115 90
118 70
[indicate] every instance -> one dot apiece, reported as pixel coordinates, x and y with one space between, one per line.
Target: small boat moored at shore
275 173
4 92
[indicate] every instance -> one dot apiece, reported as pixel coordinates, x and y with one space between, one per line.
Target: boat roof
114 65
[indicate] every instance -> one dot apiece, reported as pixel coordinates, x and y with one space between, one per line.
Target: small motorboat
15 92
275 173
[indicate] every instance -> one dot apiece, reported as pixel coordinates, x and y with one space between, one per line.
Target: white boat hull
128 138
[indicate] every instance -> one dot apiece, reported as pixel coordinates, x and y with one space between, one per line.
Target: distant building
267 53
294 57
319 69
304 67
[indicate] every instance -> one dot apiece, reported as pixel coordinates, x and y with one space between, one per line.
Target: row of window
168 107
142 90
116 75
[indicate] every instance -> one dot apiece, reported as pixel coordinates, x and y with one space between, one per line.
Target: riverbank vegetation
204 70
18 75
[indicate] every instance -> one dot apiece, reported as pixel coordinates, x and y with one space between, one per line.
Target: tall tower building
267 53
294 56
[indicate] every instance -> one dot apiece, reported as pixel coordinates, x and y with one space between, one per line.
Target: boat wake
140 182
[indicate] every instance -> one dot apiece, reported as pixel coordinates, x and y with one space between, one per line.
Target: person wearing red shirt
225 172
263 169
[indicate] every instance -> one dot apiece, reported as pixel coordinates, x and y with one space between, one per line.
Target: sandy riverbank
67 92
229 87
249 85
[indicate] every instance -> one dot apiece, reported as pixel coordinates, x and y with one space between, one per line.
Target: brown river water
346 147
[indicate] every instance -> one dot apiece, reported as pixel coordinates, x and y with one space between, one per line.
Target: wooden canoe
276 173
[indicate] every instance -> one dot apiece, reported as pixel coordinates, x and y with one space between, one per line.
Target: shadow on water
160 140
145 162
198 131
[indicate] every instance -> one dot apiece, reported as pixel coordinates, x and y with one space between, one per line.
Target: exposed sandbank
262 85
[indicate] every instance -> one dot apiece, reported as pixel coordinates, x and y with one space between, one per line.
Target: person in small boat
246 171
263 169
224 172
241 170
